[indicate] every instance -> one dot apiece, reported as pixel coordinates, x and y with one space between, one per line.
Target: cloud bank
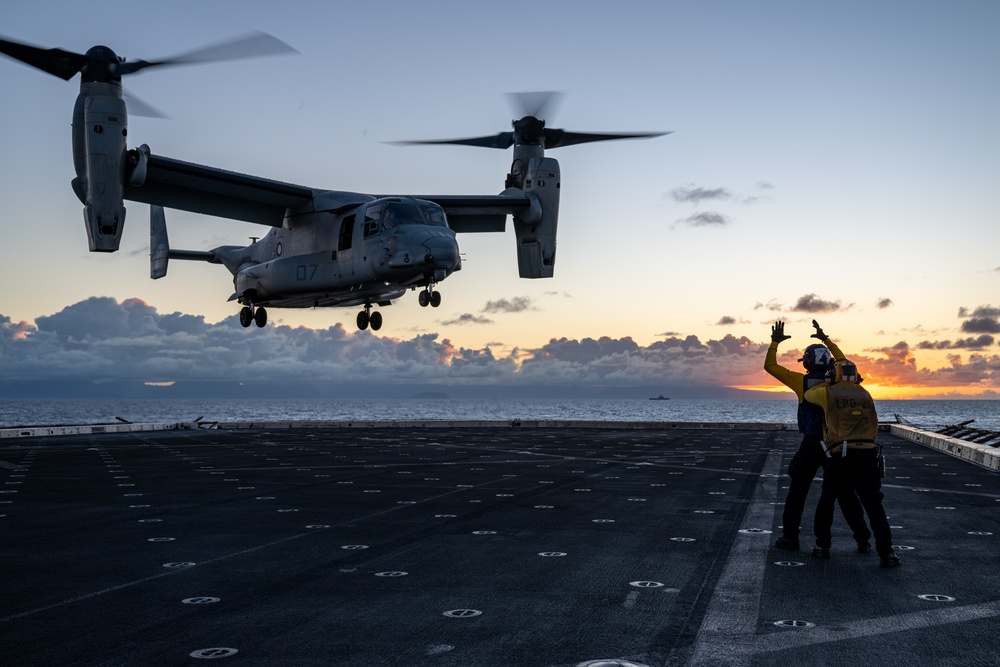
100 340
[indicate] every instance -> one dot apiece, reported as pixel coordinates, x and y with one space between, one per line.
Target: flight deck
472 545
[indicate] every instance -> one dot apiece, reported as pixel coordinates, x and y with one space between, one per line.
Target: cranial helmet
844 371
816 358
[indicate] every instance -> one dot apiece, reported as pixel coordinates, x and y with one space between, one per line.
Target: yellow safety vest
850 417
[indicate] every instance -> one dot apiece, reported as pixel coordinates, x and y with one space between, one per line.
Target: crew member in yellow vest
850 427
802 468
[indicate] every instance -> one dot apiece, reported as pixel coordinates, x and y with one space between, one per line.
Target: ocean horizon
928 414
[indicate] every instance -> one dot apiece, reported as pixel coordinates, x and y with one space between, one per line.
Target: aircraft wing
193 187
479 213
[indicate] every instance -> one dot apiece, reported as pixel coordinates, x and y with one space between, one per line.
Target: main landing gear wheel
249 314
366 318
429 297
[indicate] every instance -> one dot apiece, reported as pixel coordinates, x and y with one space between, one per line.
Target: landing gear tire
375 319
363 320
260 318
246 316
429 298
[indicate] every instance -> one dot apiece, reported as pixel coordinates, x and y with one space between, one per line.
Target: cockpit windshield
400 214
434 215
386 214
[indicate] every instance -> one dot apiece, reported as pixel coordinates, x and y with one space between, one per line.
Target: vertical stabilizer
159 246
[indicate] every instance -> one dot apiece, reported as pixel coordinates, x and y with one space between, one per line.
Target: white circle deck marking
754 531
201 600
788 563
178 565
354 547
462 613
393 573
794 624
160 539
213 653
645 584
317 526
980 532
552 554
682 539
934 597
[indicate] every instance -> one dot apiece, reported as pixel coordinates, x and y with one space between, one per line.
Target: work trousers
857 471
802 469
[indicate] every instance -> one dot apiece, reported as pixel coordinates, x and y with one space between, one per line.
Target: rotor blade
252 45
57 62
541 104
502 141
559 138
138 107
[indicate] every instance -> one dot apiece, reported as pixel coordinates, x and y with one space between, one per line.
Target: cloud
467 318
981 325
898 367
984 319
810 303
883 303
692 194
726 320
772 305
980 311
516 305
705 219
979 343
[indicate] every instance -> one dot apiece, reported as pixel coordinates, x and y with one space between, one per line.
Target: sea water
921 413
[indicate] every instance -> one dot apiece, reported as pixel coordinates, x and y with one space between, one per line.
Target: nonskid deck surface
472 546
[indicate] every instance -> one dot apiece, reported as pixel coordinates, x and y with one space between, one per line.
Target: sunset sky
831 161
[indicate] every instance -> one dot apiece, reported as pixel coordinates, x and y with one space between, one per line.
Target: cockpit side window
372 215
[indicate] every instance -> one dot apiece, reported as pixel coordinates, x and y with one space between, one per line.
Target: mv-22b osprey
327 247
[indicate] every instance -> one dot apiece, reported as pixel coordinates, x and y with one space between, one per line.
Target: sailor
809 457
850 427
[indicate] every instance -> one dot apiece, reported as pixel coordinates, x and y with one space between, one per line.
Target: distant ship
661 397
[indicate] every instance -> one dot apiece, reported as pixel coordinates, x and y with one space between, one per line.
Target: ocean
25 412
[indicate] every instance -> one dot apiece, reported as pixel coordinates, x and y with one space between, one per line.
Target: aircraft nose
442 252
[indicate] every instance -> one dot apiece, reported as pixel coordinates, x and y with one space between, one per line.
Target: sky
836 162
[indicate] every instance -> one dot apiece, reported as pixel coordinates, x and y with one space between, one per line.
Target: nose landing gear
366 317
250 314
429 297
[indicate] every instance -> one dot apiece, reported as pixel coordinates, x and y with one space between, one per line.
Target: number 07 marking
306 271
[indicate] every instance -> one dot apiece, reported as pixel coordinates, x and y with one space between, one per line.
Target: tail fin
159 246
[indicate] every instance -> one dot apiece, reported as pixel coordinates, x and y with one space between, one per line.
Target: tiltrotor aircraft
327 247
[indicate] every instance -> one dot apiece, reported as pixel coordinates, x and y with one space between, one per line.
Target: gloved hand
819 332
778 332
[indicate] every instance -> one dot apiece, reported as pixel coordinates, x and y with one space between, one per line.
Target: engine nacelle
536 232
100 126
